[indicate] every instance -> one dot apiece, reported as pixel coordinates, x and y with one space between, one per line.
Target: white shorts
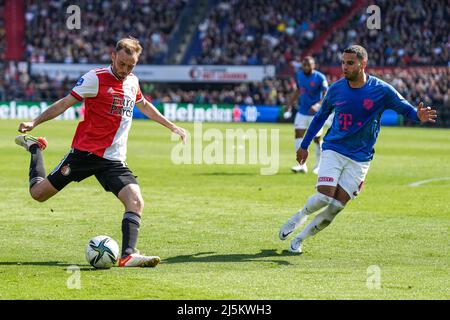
303 121
334 169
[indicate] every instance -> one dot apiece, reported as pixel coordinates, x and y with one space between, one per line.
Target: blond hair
130 45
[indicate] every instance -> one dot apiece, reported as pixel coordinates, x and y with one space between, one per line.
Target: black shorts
78 165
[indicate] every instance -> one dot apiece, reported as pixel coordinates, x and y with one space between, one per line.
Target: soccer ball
102 252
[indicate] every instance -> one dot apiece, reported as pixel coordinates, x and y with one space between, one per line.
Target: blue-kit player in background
311 88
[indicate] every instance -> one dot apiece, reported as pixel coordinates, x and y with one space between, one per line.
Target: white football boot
316 170
296 246
138 260
289 227
300 168
27 140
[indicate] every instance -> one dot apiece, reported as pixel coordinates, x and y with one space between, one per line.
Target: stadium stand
2 33
412 33
262 32
48 39
239 32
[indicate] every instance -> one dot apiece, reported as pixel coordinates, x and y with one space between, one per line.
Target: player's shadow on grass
238 257
46 264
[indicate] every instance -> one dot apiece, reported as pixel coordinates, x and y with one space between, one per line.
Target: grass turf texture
216 226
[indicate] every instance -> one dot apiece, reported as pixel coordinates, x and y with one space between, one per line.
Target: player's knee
138 204
38 195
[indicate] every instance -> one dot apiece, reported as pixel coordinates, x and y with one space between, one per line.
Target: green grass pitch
215 227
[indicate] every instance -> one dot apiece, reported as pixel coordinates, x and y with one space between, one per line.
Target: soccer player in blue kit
358 100
312 86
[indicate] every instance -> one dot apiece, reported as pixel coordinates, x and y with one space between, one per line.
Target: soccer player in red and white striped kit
100 142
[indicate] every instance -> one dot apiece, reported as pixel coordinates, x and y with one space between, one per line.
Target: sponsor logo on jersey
79 82
122 106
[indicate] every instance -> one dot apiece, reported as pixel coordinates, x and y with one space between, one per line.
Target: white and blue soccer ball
102 252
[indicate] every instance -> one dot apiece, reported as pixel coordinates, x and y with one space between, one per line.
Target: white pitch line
418 183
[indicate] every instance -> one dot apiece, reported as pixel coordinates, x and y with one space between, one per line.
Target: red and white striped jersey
109 106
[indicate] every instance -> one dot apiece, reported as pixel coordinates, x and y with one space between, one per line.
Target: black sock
130 229
37 171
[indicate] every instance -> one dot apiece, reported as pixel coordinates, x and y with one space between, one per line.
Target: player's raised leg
131 197
40 188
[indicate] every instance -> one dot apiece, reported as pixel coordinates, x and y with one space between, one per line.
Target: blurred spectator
102 23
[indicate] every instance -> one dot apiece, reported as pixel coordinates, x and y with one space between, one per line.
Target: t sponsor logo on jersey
122 106
312 84
345 120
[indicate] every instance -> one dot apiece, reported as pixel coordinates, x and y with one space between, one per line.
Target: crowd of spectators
411 33
240 32
102 22
268 92
430 85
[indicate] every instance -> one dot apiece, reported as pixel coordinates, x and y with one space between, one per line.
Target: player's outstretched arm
426 114
52 112
150 111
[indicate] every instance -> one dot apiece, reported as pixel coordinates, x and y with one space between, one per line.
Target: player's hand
181 132
287 112
426 114
302 155
26 126
314 108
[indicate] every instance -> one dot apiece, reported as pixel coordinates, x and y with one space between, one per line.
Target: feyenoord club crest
65 170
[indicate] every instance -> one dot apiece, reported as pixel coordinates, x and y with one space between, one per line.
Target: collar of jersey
110 71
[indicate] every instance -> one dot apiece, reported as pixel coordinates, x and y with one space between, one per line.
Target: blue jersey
311 89
356 122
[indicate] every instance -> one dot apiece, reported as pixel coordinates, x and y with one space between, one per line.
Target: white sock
318 151
314 203
322 220
298 142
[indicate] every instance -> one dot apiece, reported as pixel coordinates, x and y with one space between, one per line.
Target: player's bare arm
426 114
315 107
150 111
52 112
292 100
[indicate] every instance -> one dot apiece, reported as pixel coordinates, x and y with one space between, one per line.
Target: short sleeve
86 86
139 96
